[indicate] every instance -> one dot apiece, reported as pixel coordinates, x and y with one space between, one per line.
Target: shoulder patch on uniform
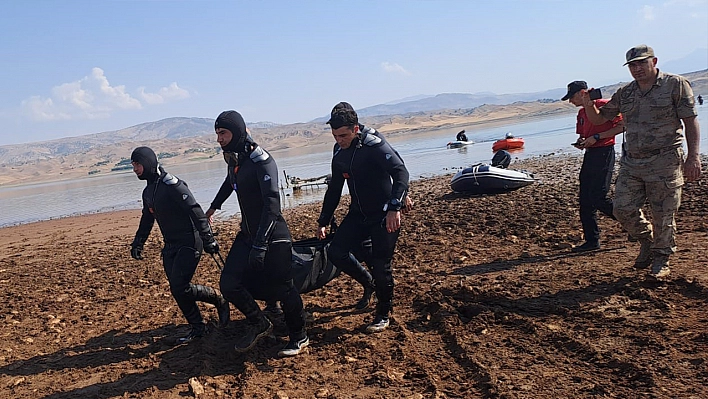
388 156
266 177
371 140
185 196
170 180
259 155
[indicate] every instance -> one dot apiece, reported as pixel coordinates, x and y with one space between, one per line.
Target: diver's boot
257 329
206 294
197 331
365 300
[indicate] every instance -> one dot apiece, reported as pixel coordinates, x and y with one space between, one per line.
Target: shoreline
121 212
89 217
43 172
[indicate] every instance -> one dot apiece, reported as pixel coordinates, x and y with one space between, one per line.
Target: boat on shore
487 179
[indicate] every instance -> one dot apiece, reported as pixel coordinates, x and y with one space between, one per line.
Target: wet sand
490 303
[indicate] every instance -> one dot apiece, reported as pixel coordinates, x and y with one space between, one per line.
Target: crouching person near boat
259 262
598 141
378 181
186 232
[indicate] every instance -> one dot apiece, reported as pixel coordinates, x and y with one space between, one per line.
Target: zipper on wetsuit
351 170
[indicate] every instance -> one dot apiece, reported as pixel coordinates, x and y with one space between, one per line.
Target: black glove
210 245
136 251
257 258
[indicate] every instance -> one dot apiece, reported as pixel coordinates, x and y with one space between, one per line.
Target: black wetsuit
182 222
369 165
253 174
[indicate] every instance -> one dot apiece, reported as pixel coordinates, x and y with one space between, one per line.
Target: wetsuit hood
233 121
146 156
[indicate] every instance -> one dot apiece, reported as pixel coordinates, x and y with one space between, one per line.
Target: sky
70 68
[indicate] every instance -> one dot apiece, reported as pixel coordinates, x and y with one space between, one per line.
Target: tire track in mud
530 333
444 386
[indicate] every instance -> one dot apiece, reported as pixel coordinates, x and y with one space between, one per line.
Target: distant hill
453 101
467 101
391 118
695 61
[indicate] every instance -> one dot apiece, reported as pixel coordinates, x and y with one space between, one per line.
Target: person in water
461 136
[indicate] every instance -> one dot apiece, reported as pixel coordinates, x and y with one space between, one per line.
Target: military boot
660 266
644 258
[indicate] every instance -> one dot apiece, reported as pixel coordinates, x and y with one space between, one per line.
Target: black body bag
311 268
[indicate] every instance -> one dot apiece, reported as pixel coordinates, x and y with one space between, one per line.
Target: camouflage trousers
657 180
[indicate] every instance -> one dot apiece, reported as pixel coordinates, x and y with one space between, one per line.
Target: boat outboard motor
501 159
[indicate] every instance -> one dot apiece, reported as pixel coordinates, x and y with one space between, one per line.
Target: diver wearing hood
260 259
186 232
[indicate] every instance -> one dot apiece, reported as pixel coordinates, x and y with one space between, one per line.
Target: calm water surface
426 155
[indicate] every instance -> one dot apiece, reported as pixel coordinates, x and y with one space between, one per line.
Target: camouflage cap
638 53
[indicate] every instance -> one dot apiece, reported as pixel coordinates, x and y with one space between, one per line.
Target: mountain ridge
192 138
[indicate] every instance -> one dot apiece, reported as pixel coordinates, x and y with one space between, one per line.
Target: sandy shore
490 303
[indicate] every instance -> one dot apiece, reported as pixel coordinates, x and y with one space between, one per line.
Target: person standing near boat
377 180
598 141
260 259
186 232
657 107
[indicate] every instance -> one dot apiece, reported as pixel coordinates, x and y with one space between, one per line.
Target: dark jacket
168 200
254 177
375 175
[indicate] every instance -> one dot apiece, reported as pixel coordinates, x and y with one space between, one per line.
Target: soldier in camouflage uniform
653 166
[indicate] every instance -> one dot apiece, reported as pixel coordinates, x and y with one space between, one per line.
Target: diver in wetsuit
378 182
461 136
259 263
186 233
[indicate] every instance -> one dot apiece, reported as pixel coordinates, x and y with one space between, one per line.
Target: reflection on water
425 155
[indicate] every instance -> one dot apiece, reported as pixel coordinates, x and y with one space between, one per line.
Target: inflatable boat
459 144
508 144
486 179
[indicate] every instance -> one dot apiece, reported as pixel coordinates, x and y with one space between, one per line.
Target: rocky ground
491 303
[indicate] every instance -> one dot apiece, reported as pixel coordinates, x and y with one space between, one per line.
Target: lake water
425 155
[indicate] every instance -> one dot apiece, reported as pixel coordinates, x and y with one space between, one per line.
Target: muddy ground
490 303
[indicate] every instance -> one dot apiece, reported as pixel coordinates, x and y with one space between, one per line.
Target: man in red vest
598 141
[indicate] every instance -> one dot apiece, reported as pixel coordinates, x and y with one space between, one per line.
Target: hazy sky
76 67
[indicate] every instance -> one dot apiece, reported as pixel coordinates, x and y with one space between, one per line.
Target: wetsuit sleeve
395 167
147 220
267 174
222 195
182 195
332 197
